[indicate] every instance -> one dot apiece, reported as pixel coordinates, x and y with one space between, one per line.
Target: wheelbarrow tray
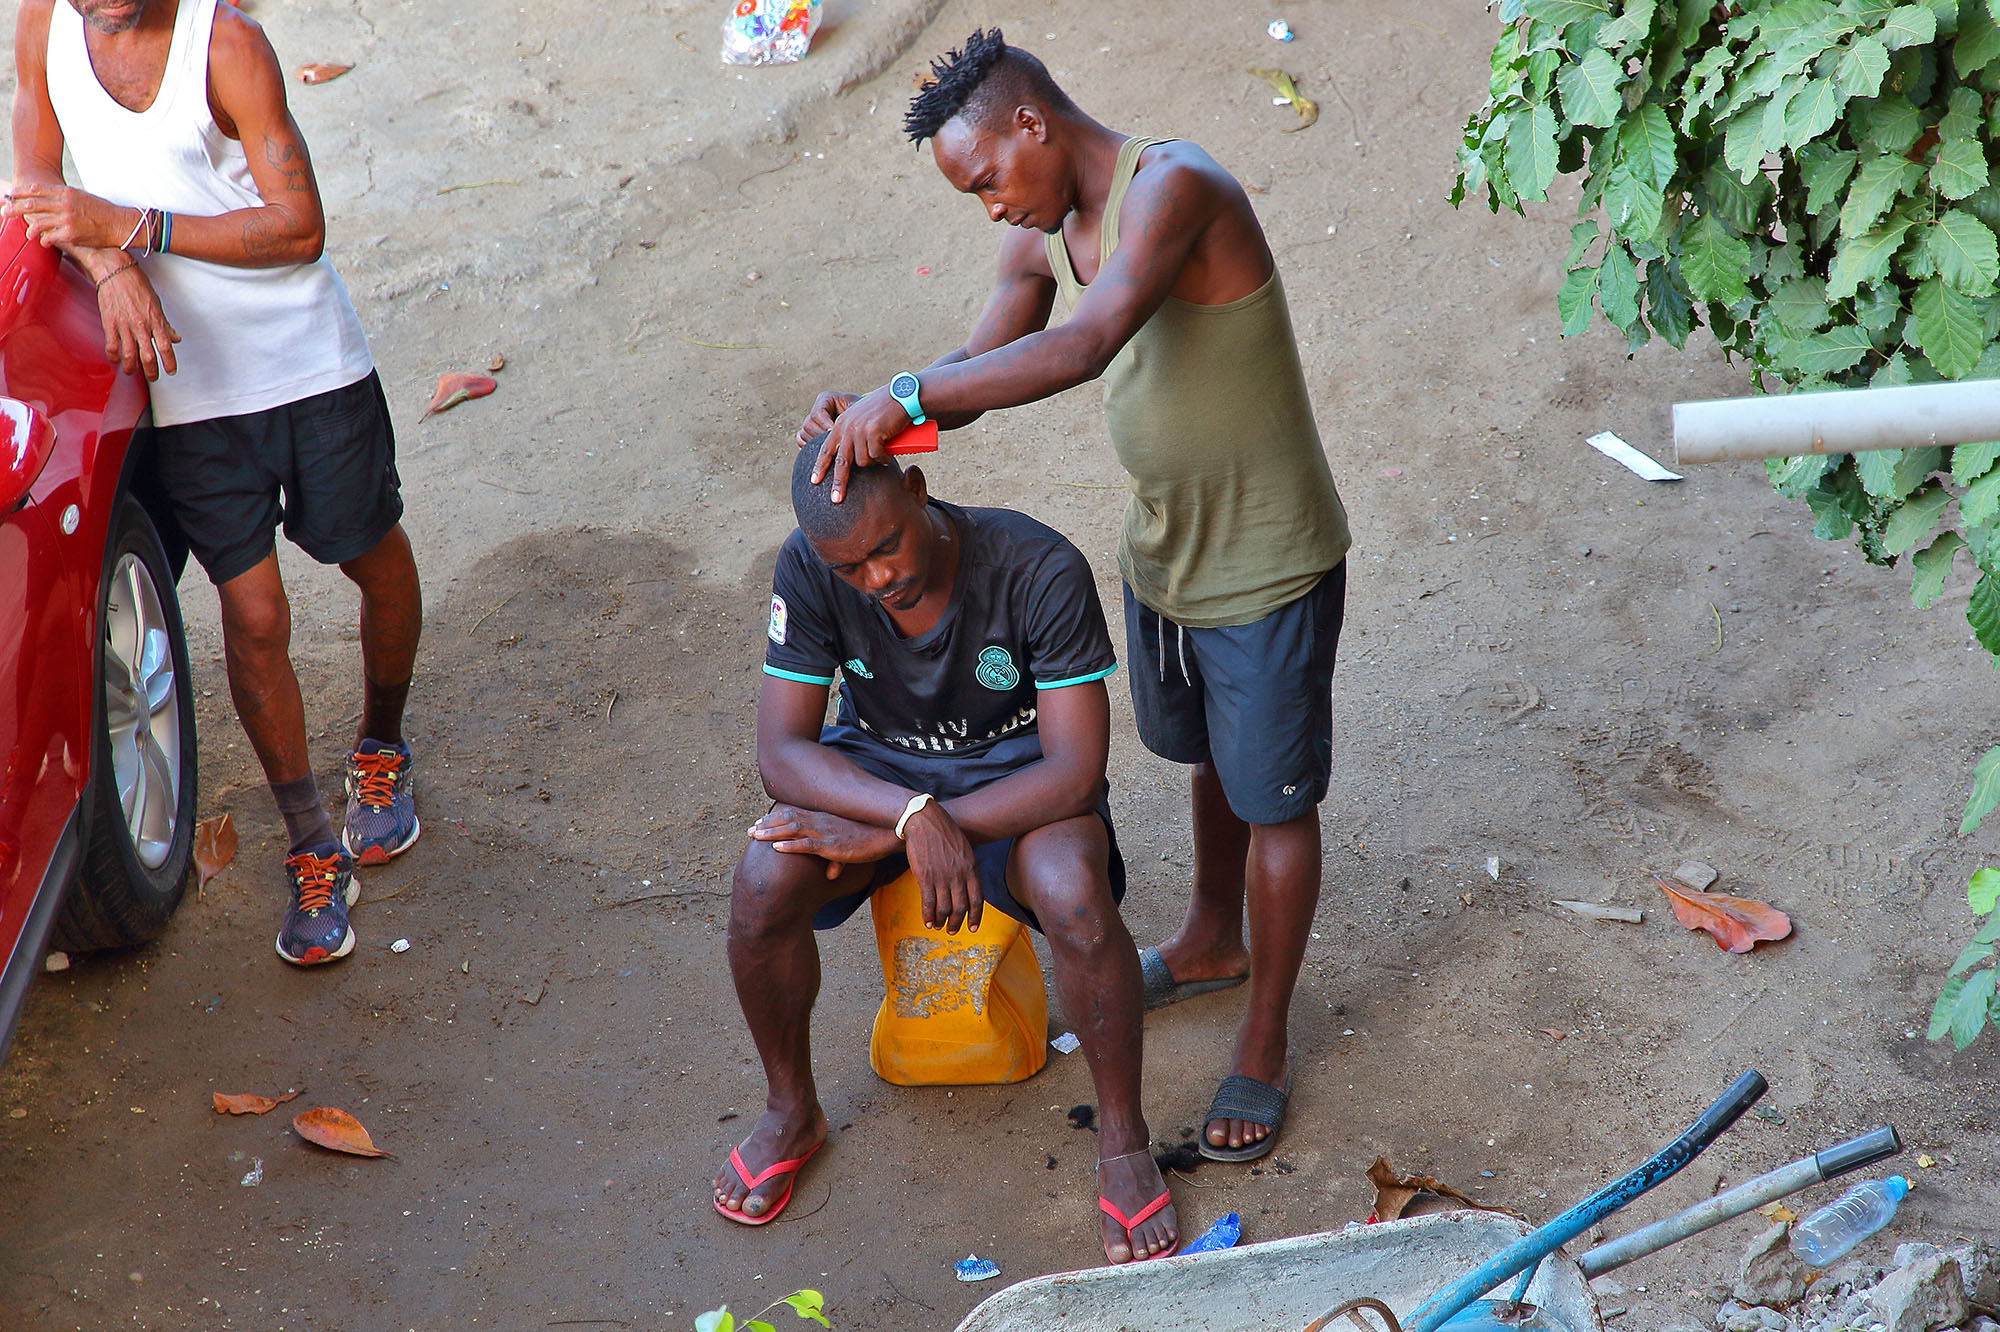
1285 1284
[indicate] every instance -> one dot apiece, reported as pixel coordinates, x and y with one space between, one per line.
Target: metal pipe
1815 1169
1782 425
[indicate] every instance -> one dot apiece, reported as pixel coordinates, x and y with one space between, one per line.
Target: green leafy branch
807 1304
1968 1001
1810 180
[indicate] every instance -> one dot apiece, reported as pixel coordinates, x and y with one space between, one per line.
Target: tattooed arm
247 97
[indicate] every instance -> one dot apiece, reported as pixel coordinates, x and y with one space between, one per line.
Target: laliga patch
777 630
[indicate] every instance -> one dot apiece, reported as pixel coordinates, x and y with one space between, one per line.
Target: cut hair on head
983 78
819 517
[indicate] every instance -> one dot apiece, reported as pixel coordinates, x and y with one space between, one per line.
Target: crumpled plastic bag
769 32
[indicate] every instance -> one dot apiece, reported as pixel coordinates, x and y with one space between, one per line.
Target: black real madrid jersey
1023 617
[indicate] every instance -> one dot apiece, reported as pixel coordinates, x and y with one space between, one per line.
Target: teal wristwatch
903 388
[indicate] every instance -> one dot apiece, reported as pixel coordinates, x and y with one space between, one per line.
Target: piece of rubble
1735 1317
1696 874
1927 1294
1770 1274
1979 1268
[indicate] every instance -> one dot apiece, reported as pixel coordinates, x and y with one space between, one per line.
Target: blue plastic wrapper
974 1268
1222 1235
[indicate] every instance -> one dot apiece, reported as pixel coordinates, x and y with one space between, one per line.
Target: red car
97 797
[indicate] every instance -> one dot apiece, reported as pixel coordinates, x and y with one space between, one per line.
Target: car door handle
27 439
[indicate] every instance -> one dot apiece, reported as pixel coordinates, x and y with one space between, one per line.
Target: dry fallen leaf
321 73
497 364
1777 1211
457 387
1926 1160
1736 923
1551 1031
214 847
1289 92
336 1129
248 1103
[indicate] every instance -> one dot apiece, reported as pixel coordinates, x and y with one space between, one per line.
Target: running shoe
381 803
323 887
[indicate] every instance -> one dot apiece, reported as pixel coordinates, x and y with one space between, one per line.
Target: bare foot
1132 1183
1236 1133
778 1136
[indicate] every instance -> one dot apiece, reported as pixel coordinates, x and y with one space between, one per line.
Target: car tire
139 832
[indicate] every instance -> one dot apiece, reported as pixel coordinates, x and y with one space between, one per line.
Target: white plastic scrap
1066 1043
1280 30
1619 451
400 946
256 1175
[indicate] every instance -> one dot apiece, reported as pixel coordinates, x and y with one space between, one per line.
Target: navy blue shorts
331 456
948 777
1256 699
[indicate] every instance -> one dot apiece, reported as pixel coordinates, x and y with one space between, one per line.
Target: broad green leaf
1989 932
1864 258
1906 25
1706 81
1912 467
1930 567
1914 520
1713 260
1740 204
1862 63
1877 470
1800 305
1964 250
1831 352
1866 12
1949 327
1893 373
1562 13
1947 1000
1978 40
1968 1015
1505 69
1646 141
1891 124
1771 126
1879 306
758 1325
1971 956
1962 119
1824 169
1589 89
716 1320
1982 612
1541 65
1581 237
1630 26
1969 462
1812 112
1631 203
1880 181
1667 304
1531 153
1981 500
1960 168
1743 142
1794 477
1982 891
808 1304
1618 287
1573 301
1831 519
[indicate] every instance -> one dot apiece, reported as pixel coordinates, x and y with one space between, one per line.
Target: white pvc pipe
1840 421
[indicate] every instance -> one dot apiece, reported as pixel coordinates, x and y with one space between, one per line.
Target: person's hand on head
825 408
859 437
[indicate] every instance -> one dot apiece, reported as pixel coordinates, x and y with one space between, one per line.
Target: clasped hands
71 219
939 851
137 337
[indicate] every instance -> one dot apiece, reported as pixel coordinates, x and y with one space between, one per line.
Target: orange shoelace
376 777
316 879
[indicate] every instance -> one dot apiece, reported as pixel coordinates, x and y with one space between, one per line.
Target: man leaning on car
197 217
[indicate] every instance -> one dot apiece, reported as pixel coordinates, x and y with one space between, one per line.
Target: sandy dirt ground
1546 661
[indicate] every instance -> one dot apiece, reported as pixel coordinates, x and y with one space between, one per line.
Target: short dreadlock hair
984 76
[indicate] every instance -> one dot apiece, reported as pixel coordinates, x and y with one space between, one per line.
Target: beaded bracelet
114 273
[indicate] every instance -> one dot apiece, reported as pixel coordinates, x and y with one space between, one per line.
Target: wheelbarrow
1418 1274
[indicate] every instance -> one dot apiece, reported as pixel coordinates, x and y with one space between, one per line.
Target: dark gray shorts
332 458
947 778
1256 699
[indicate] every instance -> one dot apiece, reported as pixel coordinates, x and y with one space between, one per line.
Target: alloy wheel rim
142 710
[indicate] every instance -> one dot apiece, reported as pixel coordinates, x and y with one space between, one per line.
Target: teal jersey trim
1073 680
794 675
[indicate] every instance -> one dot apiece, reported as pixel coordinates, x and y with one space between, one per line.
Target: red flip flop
779 1168
1110 1209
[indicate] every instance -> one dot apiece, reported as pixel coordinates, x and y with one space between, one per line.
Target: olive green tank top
1233 511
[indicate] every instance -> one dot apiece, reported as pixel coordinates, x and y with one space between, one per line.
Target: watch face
903 386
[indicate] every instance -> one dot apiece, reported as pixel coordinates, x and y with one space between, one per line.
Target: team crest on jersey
996 669
776 632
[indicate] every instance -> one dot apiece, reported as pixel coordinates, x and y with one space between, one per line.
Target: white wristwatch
917 802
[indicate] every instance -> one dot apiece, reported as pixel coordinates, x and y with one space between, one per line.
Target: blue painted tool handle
1536 1245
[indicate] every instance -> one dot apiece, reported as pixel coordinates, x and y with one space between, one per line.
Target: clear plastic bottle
1827 1235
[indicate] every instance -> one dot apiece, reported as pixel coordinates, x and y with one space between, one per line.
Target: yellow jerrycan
957 1009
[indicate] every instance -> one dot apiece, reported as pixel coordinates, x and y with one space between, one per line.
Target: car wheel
139 853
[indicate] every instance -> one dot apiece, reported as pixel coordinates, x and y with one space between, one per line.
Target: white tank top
251 338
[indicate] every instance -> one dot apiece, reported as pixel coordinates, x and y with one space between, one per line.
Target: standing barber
197 216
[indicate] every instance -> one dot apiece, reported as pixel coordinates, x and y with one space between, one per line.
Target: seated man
969 746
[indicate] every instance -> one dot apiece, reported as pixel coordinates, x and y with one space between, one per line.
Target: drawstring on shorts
1180 646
